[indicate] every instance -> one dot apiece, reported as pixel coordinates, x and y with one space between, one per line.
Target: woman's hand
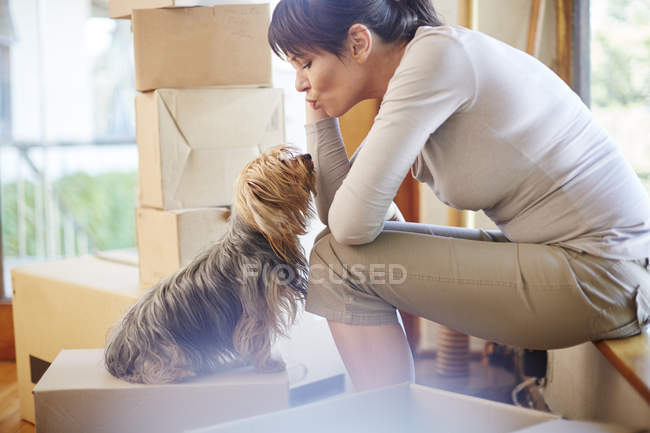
394 214
314 115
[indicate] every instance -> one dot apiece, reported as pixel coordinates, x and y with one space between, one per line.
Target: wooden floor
10 421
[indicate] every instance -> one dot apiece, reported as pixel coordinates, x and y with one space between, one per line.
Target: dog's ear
273 197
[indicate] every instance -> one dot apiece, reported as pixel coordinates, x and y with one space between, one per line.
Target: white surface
399 408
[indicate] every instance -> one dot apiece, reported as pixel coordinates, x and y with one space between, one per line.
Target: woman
486 127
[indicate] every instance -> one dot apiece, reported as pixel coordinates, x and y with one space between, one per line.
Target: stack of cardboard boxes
205 109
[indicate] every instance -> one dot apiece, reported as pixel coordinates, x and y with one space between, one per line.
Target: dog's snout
306 157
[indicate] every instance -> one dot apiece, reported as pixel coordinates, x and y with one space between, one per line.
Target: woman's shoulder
453 37
443 30
435 62
439 49
438 42
441 34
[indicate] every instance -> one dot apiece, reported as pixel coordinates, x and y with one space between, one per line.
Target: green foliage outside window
620 76
621 54
101 205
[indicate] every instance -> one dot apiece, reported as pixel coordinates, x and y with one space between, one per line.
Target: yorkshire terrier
227 306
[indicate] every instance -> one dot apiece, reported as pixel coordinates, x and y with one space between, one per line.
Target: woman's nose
302 83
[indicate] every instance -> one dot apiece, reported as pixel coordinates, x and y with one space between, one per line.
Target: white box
399 408
168 240
77 395
193 143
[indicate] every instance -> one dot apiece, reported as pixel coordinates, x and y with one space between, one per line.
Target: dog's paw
272 365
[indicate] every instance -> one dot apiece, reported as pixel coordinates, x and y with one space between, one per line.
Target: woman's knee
337 293
327 261
321 253
322 243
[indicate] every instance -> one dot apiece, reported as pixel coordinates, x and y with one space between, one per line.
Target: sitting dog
227 306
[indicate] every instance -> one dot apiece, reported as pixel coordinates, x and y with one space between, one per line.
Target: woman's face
330 83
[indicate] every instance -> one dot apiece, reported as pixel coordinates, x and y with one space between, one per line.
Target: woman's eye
306 65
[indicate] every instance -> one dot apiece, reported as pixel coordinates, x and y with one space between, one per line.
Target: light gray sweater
488 127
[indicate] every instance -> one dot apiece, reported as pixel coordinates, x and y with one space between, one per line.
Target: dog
226 307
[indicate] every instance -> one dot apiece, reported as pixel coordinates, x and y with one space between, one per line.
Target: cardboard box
65 304
168 240
399 408
193 143
126 256
123 8
221 45
315 368
78 395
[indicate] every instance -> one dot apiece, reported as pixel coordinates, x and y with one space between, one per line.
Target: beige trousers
476 281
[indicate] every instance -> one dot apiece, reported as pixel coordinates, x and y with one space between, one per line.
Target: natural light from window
620 76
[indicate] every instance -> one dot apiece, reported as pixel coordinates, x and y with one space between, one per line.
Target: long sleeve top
487 127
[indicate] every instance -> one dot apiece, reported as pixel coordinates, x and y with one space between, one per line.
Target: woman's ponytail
415 13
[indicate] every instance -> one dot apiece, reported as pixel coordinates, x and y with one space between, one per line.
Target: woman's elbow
346 235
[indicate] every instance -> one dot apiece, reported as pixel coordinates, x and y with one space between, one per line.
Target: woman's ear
359 42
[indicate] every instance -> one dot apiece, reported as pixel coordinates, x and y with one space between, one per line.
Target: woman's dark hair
303 26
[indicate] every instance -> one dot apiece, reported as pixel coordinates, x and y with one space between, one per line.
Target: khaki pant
476 281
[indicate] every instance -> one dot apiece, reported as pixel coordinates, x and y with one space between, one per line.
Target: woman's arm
434 80
325 144
331 162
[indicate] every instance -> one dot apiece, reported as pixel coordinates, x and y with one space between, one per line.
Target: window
68 161
620 76
68 164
